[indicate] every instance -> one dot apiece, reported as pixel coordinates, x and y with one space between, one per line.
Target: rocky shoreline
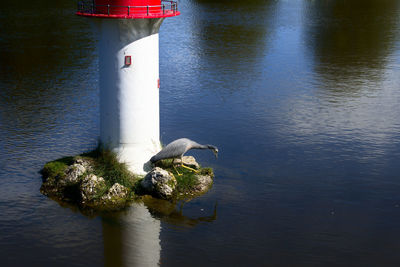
76 181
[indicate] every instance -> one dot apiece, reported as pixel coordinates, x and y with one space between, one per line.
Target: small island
96 181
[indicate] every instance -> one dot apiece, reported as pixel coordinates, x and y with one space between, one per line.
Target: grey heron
177 148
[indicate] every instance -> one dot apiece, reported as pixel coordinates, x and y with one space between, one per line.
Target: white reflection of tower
132 239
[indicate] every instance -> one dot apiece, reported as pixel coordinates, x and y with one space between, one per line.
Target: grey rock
50 188
189 161
203 183
116 193
73 175
86 163
91 187
159 183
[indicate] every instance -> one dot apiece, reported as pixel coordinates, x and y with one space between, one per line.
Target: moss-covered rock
97 181
61 180
188 183
192 184
77 180
117 195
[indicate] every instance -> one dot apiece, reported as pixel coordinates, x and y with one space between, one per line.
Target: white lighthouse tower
129 75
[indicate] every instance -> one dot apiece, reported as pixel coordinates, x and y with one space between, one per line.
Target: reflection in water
351 40
352 113
132 237
305 109
168 212
42 46
233 36
232 31
51 47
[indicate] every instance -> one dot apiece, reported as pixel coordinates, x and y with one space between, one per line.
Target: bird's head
214 150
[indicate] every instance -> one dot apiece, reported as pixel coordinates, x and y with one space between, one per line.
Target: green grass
55 169
106 165
186 181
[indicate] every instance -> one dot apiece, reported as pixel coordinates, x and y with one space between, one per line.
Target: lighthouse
129 75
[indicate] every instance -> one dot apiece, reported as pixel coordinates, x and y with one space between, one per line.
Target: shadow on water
351 41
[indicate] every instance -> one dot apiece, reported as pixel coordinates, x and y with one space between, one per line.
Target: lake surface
301 97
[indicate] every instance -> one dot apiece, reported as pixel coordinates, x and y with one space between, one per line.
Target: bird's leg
173 165
187 167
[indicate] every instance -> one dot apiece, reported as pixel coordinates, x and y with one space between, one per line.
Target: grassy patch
55 169
186 181
106 165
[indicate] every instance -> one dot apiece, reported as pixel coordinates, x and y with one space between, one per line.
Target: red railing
166 9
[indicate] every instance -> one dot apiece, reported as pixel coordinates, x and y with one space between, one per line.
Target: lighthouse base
137 156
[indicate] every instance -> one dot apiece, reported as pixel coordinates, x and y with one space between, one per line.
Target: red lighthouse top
128 9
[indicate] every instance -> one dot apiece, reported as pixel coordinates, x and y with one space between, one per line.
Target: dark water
301 97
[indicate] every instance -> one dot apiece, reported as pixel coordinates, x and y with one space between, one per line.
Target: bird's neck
198 146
